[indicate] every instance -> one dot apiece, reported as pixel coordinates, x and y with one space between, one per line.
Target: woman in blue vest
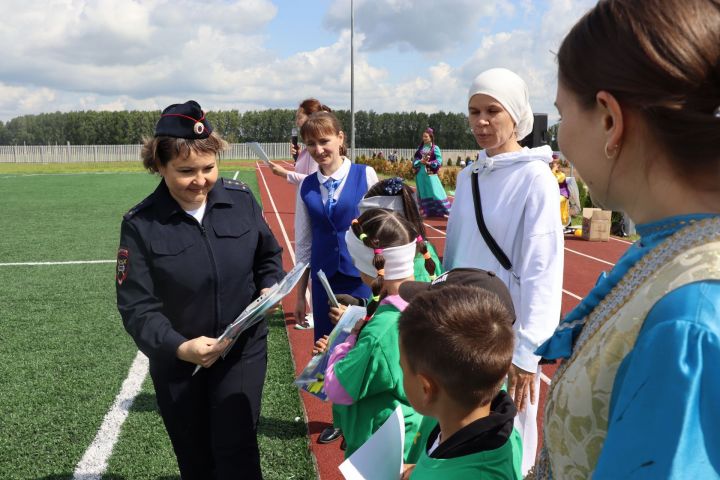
326 204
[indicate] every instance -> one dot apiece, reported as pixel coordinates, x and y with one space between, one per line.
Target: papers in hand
326 285
255 312
260 152
312 378
381 456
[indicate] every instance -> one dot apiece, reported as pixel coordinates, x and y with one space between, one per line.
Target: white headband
399 261
511 91
393 203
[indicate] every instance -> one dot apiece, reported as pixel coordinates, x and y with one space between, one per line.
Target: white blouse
304 166
303 229
521 211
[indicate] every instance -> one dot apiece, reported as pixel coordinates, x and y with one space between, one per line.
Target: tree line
400 130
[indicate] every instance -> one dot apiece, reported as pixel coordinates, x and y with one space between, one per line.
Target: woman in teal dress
637 393
432 199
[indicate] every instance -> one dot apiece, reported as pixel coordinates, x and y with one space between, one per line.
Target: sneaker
307 324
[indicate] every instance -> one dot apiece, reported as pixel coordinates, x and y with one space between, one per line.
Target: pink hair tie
419 239
378 251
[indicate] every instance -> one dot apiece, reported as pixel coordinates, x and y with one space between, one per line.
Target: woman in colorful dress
637 393
564 190
431 195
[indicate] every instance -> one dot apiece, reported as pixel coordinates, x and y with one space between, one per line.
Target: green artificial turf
64 351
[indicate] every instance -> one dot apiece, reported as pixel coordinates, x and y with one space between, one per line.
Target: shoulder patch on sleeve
231 184
140 206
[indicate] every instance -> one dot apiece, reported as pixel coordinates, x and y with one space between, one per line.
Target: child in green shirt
456 346
363 378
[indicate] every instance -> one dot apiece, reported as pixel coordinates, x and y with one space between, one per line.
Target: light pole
352 81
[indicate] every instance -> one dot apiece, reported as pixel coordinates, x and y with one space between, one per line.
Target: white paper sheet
260 152
381 456
326 285
254 312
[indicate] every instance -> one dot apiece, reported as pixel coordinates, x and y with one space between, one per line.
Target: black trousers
212 417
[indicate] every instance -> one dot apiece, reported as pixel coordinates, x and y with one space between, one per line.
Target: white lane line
436 229
590 257
572 294
20 175
564 291
71 262
277 215
289 243
94 462
545 378
621 241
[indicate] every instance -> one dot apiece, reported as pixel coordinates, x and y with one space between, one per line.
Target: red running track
584 261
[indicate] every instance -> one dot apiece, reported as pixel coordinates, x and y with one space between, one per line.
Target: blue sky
256 54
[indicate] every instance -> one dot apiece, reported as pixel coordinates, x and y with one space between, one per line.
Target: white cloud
144 54
424 25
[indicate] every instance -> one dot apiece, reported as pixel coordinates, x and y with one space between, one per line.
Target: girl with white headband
393 194
518 201
363 378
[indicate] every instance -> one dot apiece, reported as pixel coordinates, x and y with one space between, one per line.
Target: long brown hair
312 105
378 229
384 188
660 58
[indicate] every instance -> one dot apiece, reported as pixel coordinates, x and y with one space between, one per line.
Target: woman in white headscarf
518 202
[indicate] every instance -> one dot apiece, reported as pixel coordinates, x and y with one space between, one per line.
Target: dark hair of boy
462 337
410 210
383 229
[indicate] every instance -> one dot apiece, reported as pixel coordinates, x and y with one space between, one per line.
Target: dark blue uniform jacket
178 280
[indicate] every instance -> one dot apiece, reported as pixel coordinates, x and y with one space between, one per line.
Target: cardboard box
596 224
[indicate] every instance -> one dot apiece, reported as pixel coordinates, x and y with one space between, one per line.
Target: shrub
404 169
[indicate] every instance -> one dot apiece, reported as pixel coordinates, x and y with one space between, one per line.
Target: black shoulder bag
489 240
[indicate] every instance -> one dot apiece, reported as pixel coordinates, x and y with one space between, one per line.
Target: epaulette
231 184
140 206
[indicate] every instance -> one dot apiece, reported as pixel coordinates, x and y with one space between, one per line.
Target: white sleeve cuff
524 355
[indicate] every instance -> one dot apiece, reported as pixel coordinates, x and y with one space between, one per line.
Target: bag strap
489 240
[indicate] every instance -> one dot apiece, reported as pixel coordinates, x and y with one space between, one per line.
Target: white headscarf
511 91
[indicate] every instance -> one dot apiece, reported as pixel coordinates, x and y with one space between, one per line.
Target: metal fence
125 153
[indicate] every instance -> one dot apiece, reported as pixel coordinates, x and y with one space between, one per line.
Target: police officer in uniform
192 256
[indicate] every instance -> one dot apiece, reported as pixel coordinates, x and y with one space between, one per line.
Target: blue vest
329 252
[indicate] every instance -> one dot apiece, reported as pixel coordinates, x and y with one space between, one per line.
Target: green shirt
421 274
371 375
504 463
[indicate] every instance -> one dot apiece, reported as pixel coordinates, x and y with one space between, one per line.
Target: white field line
621 241
545 378
291 251
577 297
590 257
70 262
289 244
19 175
94 462
572 294
277 215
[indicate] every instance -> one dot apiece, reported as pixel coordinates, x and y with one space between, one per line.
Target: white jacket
520 205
